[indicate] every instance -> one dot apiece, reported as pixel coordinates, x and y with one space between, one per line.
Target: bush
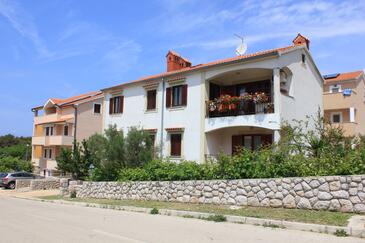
9 164
158 170
73 194
154 211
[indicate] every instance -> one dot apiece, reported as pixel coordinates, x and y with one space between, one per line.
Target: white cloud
265 20
24 24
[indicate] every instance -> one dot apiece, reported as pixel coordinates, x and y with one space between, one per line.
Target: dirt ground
27 194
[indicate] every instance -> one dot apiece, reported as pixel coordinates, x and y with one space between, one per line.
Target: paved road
31 221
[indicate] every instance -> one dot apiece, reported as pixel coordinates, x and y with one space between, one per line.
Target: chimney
299 40
176 62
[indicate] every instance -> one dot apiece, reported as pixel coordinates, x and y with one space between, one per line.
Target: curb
318 228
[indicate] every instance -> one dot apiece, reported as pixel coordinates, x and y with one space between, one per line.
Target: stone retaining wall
337 193
38 184
44 184
22 183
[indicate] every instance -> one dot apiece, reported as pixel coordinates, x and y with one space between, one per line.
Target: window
151 99
116 105
176 96
336 117
175 140
49 131
335 88
303 58
97 108
65 130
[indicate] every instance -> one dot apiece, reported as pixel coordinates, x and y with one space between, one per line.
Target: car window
27 175
16 174
2 175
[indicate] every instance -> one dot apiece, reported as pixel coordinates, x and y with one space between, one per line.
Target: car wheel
11 185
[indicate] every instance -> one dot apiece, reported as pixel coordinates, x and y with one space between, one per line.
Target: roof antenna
242 47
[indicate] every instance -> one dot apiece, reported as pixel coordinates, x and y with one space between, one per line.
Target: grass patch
274 226
215 218
294 215
52 197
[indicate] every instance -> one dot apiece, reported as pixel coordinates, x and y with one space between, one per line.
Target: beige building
59 122
343 101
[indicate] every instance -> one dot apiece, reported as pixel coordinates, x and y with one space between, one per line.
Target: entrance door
252 141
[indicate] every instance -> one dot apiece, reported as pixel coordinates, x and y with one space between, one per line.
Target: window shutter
168 97
154 94
151 99
111 105
121 103
184 94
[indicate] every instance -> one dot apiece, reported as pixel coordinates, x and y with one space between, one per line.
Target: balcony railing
216 109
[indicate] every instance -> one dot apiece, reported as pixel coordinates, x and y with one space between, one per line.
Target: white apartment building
195 112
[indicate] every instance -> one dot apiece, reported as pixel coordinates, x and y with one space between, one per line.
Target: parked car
8 181
2 175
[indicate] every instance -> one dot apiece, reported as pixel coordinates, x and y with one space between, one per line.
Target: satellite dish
242 47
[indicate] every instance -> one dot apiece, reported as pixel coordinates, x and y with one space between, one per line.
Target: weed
154 211
270 225
216 218
341 233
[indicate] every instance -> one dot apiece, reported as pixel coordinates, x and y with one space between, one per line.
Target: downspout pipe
162 116
75 124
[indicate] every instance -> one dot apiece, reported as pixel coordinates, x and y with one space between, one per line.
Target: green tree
138 148
75 161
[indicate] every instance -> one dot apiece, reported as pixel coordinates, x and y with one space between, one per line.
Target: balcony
334 101
53 140
241 113
349 128
53 118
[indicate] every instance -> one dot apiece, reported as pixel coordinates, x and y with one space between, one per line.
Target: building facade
343 100
61 121
196 112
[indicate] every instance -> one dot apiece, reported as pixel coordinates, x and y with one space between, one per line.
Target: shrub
341 233
154 211
9 164
73 194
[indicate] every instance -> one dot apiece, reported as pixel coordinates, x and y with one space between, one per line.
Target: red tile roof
209 64
345 76
75 99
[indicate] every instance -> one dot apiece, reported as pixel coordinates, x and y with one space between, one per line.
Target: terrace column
352 114
276 90
277 98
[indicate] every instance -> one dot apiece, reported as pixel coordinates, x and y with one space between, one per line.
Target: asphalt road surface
32 221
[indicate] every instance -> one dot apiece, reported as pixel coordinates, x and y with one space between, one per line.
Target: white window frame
101 108
336 113
335 86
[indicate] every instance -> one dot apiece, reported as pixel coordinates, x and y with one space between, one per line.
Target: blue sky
61 48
